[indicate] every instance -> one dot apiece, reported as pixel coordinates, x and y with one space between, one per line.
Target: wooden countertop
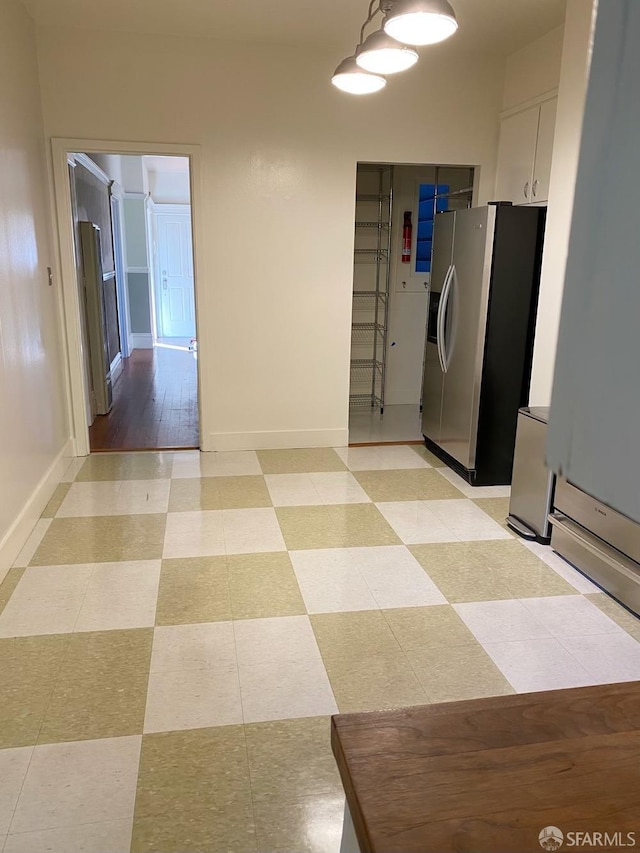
487 775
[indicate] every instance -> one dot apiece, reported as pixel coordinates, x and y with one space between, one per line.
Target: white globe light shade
349 77
420 22
382 54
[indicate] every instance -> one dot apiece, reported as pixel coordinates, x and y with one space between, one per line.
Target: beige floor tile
438 626
10 582
126 466
413 484
205 493
484 571
263 585
454 673
429 457
374 681
56 500
29 668
459 574
102 539
342 526
307 825
497 508
358 634
193 589
194 793
102 688
619 614
291 759
303 461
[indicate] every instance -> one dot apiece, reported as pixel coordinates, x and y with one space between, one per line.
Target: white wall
279 147
576 54
169 187
533 70
33 430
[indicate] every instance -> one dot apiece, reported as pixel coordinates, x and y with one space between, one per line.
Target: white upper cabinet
524 154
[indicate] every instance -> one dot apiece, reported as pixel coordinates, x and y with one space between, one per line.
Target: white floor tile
207 645
81 782
380 458
415 523
542 664
119 596
225 464
271 691
251 531
116 497
395 577
142 496
73 469
397 423
330 581
467 521
46 600
13 769
608 657
501 621
192 699
473 491
562 567
194 534
282 640
339 487
570 616
110 837
31 545
292 490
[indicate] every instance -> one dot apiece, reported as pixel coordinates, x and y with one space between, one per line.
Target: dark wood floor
155 403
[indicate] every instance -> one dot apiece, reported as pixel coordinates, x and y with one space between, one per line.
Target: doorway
395 208
135 298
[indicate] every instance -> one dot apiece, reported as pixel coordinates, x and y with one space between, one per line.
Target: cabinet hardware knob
526 190
534 187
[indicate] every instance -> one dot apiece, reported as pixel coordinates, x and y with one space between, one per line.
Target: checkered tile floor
179 627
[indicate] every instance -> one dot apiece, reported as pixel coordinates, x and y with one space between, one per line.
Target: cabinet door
544 150
516 154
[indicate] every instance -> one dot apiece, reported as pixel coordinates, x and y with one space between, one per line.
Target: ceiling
498 25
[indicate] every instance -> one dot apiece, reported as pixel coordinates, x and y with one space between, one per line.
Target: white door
175 301
544 151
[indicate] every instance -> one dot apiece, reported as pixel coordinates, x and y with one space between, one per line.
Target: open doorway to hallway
134 259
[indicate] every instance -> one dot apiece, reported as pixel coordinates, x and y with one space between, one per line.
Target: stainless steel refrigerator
485 276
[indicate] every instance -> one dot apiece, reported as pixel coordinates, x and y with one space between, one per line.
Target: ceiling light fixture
420 22
349 77
382 54
406 22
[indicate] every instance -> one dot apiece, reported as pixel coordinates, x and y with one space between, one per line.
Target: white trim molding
140 340
532 102
92 167
160 209
143 270
15 538
277 439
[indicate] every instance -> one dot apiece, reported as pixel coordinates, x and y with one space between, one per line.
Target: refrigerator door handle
440 323
447 351
448 345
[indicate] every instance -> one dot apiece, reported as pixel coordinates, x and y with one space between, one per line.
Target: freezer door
464 314
443 231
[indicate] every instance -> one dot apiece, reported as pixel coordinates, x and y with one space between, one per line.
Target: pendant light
382 54
349 77
420 22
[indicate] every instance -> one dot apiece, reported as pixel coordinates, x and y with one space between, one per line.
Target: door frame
159 209
61 147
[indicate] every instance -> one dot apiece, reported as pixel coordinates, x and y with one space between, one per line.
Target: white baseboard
140 340
277 439
14 539
116 368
